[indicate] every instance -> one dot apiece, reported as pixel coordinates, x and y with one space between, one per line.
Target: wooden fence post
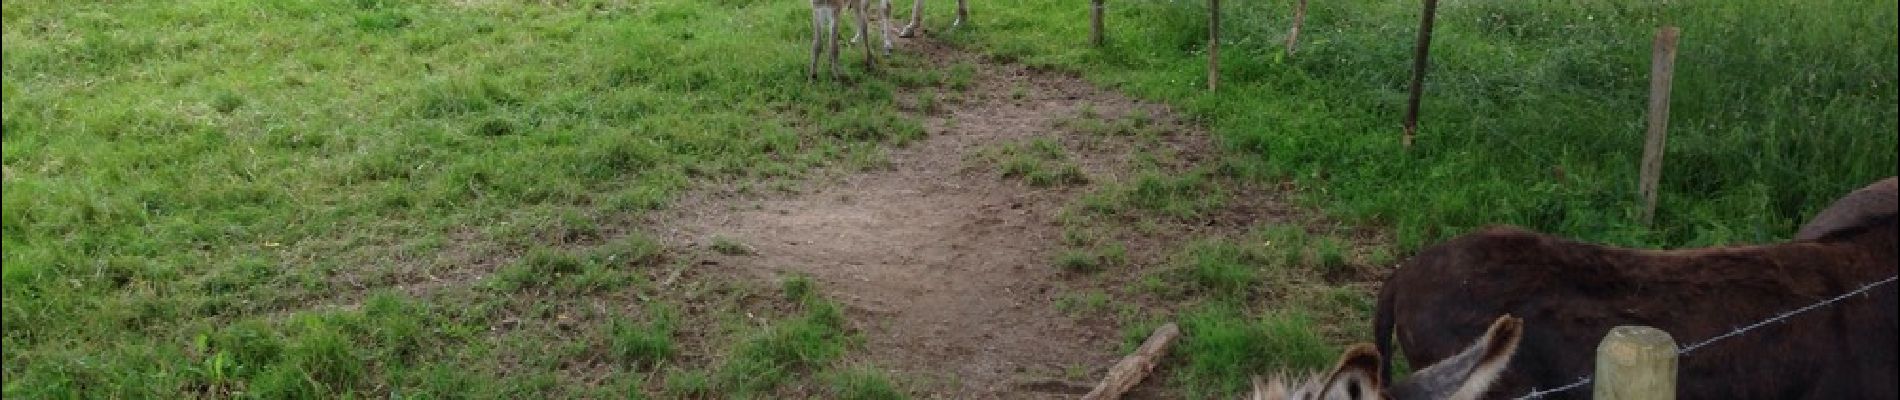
1636 363
1095 23
1420 53
1213 44
1662 69
1293 35
1130 371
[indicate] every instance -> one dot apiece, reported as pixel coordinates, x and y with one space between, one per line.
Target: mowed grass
1533 115
239 198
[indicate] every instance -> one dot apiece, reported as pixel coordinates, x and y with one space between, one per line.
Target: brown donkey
1356 377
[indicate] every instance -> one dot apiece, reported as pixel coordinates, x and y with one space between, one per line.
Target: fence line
1586 379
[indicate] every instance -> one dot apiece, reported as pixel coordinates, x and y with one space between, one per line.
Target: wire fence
1685 350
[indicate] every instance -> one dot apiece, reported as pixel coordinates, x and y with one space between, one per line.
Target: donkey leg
916 20
864 25
831 40
884 25
963 13
817 41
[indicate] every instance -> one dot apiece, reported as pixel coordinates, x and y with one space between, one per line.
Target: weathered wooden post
1095 23
1419 53
1213 44
1662 69
1293 35
1134 367
1636 363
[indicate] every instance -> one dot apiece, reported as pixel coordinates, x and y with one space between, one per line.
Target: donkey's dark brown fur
1570 294
1882 197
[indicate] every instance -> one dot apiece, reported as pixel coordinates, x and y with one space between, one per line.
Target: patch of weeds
1076 372
1040 163
863 383
1113 254
768 358
779 351
927 102
1381 256
642 343
1329 255
226 102
683 383
728 246
632 250
1064 174
1020 166
960 76
1088 121
798 288
1182 196
1224 347
540 267
1222 268
494 127
1077 260
1078 236
1291 248
1093 302
867 157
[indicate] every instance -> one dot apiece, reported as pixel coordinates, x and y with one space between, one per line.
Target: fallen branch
1133 368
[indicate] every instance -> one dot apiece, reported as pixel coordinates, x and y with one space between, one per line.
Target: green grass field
232 198
1533 113
220 197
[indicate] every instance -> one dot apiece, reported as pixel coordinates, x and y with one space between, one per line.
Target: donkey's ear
1356 376
1470 373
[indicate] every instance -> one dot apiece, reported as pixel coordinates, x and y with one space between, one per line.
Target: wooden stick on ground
1133 368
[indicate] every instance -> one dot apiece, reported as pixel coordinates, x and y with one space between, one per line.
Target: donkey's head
1356 376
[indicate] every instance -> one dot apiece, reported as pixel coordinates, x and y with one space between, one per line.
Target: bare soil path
946 267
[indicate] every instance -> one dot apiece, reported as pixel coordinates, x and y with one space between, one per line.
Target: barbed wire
1586 379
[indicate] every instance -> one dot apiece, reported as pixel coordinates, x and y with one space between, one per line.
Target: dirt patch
948 269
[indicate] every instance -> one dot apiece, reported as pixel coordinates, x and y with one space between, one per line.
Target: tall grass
1533 111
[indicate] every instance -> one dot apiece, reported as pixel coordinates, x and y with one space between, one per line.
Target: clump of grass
1092 302
864 383
1092 260
227 102
580 271
798 288
642 343
1039 162
1222 348
688 383
1087 121
1077 235
1184 195
1081 261
1222 268
927 102
770 357
729 246
1329 255
540 267
961 75
1063 174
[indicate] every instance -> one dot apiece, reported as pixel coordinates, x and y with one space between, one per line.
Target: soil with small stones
946 267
